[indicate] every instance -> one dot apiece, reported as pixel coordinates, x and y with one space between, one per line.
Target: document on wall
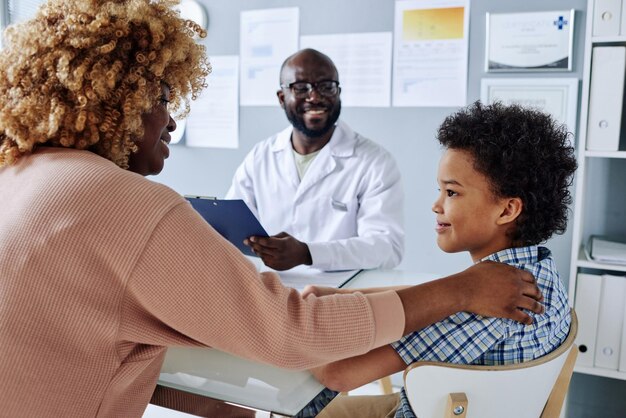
530 41
214 117
266 38
363 61
430 53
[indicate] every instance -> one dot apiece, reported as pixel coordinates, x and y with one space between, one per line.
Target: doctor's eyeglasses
302 89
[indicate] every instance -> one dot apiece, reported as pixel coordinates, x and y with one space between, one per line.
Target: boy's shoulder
535 259
519 256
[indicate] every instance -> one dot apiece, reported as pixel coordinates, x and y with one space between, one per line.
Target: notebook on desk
231 218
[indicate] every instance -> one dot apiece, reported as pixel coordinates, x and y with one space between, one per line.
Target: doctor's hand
281 251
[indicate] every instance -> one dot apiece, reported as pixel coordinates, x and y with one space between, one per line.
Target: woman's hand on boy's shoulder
500 290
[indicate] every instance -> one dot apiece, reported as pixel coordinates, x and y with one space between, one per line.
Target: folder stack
600 306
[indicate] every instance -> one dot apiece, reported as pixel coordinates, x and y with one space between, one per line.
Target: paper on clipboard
230 217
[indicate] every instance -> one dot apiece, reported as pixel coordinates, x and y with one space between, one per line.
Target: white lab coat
348 207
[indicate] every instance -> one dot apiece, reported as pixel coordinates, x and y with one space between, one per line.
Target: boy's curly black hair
523 153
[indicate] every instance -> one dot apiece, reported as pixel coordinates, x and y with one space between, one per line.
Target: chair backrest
534 389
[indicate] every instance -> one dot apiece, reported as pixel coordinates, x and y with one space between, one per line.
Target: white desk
220 376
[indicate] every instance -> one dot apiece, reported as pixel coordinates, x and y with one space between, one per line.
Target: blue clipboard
231 218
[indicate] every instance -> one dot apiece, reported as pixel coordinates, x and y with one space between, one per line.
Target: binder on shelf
607 17
605 98
610 322
604 251
587 306
622 351
622 26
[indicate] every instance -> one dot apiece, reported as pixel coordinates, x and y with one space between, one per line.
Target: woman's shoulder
86 176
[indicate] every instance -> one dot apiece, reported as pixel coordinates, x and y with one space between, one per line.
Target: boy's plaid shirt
466 338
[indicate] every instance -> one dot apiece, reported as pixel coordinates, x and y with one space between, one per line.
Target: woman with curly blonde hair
102 269
81 74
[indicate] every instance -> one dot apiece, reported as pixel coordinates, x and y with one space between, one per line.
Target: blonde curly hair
82 72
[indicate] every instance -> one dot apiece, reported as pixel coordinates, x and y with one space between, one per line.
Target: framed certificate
556 96
538 41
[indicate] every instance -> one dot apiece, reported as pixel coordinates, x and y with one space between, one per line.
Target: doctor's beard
296 119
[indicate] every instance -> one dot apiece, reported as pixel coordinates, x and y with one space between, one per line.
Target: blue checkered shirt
466 338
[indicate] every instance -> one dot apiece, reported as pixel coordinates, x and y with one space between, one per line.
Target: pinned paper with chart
363 62
430 53
266 38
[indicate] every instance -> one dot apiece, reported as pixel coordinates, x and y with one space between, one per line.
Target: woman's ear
512 207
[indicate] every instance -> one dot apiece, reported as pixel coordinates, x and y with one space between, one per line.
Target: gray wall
408 133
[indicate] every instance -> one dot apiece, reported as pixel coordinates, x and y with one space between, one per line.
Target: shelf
596 371
608 39
605 154
584 262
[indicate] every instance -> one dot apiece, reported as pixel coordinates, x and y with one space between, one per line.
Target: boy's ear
512 207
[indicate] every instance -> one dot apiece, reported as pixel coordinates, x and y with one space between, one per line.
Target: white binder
610 321
605 98
622 351
622 28
607 17
588 290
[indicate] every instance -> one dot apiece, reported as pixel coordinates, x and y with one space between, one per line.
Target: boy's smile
469 216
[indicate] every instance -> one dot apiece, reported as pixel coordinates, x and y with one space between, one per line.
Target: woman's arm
345 375
191 287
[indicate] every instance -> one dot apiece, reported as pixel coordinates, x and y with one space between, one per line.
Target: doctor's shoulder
261 150
374 153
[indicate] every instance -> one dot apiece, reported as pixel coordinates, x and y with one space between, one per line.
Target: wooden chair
534 389
385 385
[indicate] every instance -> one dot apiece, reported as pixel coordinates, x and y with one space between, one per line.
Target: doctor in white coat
328 197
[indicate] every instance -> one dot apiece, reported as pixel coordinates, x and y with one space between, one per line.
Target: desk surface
218 375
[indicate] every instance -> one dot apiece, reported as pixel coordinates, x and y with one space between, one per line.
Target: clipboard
231 218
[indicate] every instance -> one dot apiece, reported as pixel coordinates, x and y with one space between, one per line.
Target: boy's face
469 216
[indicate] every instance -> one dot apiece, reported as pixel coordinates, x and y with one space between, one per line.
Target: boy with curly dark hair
504 188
